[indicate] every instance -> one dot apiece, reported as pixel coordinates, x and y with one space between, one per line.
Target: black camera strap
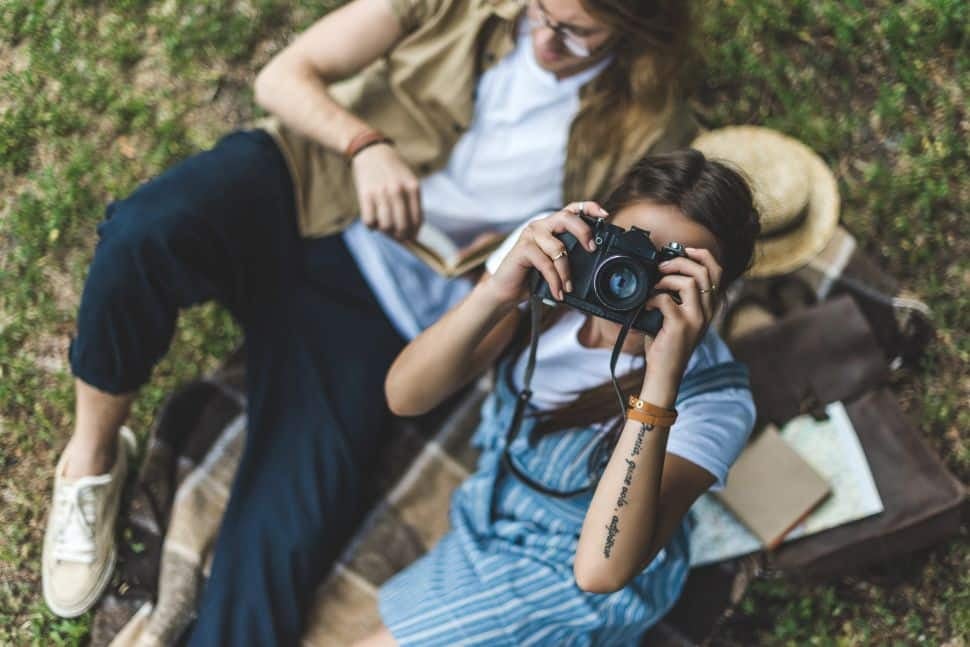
525 395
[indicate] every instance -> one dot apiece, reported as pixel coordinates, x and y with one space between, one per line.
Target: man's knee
137 242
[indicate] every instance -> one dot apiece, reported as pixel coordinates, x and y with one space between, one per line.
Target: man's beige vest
422 95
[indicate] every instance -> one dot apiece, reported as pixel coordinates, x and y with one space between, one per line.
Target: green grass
96 97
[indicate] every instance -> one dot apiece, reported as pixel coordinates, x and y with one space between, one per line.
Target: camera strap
525 395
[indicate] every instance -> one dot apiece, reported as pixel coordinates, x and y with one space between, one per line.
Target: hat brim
794 248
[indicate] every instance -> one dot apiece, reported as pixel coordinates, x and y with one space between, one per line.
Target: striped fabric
503 574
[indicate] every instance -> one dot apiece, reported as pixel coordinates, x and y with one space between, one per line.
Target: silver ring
582 208
559 255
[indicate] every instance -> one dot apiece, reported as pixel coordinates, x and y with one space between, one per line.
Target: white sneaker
79 545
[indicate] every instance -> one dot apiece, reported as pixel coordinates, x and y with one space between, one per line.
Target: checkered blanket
181 491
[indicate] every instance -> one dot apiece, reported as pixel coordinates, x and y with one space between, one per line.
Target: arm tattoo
613 529
638 443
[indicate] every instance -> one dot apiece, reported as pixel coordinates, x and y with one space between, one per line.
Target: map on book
830 446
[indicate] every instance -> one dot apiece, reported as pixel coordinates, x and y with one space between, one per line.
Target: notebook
833 449
772 489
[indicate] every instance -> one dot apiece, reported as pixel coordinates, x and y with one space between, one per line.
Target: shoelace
77 509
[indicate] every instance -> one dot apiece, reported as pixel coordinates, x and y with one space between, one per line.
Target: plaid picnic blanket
182 488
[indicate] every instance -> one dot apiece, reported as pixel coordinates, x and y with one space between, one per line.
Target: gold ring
559 255
713 288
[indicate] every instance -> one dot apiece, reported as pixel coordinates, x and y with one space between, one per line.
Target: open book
435 248
833 450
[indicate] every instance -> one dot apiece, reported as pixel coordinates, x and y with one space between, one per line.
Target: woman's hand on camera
388 192
539 248
695 280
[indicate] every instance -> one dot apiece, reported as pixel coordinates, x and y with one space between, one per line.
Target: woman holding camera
587 541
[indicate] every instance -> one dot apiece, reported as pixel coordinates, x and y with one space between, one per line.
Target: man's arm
293 85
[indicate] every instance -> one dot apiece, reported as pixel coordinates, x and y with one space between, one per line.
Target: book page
435 248
437 242
830 446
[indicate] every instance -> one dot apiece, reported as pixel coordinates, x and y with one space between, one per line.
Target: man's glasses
572 41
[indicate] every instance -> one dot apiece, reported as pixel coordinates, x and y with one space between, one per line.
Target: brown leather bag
821 354
923 501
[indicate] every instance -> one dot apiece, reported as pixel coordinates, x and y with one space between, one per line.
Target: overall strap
728 375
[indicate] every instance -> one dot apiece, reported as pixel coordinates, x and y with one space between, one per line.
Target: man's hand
388 192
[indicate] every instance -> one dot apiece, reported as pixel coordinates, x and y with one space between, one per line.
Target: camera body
617 278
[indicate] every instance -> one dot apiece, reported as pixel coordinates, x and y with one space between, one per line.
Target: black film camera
617 278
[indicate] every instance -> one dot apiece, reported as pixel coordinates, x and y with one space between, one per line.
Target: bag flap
822 354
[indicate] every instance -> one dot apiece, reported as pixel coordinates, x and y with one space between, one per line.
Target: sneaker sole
93 597
128 438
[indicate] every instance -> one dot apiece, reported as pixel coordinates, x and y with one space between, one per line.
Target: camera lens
621 283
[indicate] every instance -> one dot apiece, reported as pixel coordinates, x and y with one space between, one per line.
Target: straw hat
794 190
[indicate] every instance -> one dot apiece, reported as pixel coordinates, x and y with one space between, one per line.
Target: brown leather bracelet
364 140
644 412
647 419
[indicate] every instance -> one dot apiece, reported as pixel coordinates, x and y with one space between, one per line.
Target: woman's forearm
621 523
450 353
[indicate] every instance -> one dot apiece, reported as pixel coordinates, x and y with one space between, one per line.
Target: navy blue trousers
221 226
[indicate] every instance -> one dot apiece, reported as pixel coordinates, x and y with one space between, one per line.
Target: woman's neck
598 333
589 336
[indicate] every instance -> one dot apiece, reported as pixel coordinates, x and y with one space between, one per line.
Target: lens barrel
621 283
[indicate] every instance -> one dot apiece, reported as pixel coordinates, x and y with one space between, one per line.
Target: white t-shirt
711 428
565 368
505 169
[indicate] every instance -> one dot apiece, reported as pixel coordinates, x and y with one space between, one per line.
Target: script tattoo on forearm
638 443
613 529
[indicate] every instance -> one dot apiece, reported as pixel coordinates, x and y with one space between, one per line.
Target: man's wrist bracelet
650 414
364 140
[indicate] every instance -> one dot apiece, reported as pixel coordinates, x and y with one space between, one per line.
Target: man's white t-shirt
505 169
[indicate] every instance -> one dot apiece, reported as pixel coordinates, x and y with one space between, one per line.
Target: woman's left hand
695 280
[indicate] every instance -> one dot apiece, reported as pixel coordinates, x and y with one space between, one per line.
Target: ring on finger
581 208
559 255
711 289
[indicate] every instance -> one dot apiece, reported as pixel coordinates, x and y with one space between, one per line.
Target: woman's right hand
539 248
388 192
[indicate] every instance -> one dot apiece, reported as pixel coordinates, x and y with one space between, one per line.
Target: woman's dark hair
706 191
